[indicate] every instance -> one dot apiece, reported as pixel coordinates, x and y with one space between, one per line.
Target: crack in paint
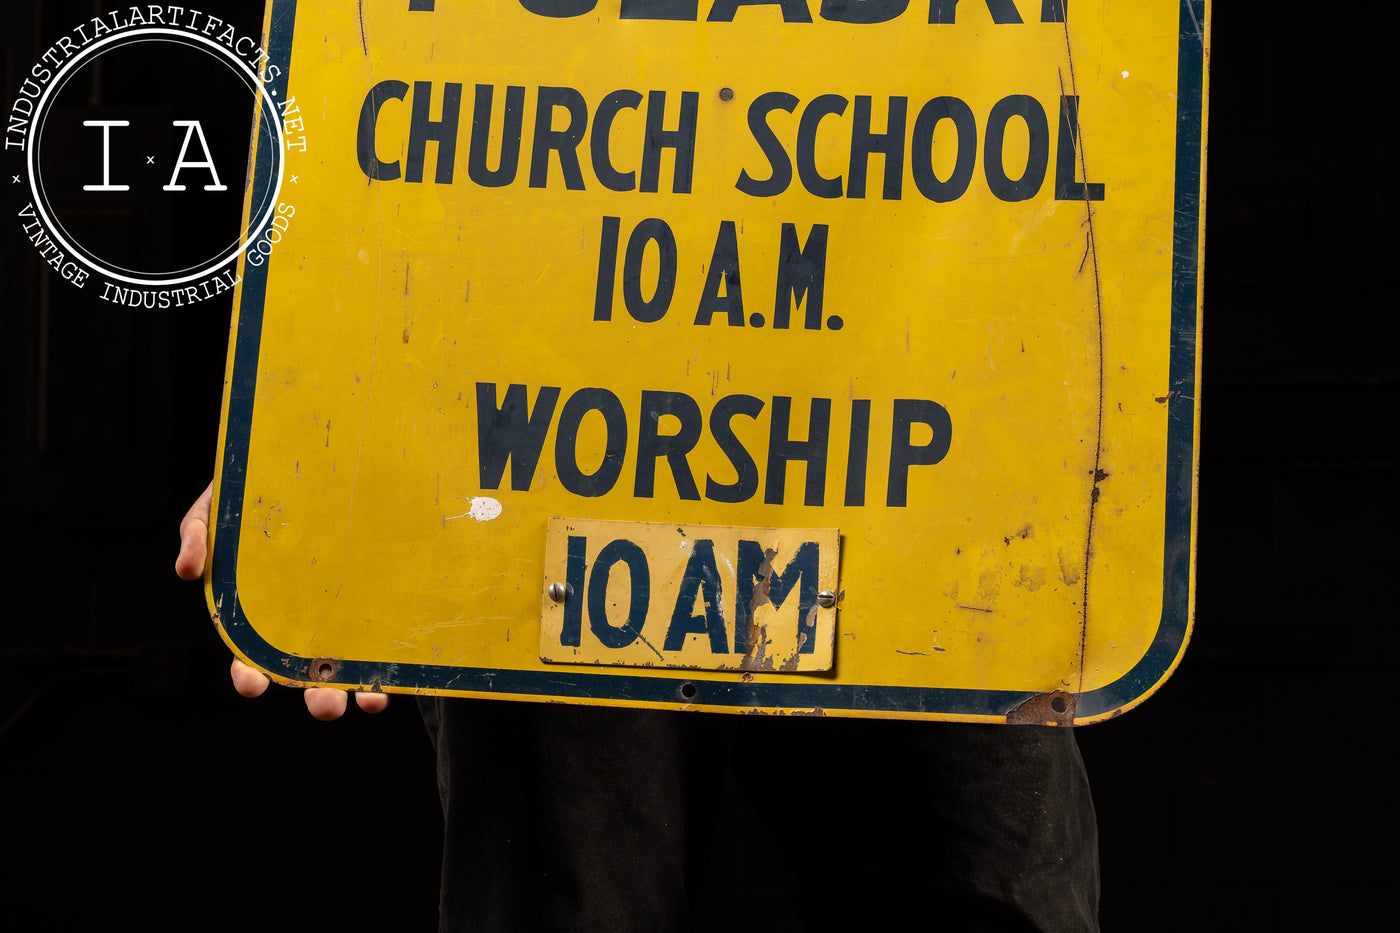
1090 252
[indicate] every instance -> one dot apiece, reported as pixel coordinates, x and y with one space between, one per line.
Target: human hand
324 703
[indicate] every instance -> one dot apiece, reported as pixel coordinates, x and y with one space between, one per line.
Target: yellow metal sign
551 275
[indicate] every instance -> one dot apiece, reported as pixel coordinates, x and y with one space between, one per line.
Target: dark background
1248 794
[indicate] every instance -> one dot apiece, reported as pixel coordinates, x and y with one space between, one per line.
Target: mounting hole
324 669
1059 705
688 691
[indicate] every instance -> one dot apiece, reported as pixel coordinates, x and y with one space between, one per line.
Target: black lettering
801 275
651 230
575 565
794 11
1037 159
823 106
608 176
944 11
782 449
903 454
746 471
421 130
681 139
511 433
773 151
620 551
755 565
652 445
857 452
607 269
890 144
684 10
509 161
565 141
921 148
724 271
862 12
559 9
1066 157
370 163
602 480
701 578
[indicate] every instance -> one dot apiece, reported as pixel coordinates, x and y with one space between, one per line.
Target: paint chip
484 508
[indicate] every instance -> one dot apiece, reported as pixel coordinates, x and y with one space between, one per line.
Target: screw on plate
557 591
826 599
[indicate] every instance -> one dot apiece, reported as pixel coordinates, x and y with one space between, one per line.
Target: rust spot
1050 709
757 645
791 663
815 711
1163 399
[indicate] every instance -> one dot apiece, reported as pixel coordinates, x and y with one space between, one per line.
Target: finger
325 703
194 537
246 681
372 702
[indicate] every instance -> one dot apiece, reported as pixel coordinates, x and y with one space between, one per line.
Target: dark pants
592 818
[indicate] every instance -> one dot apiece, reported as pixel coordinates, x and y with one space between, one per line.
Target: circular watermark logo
129 137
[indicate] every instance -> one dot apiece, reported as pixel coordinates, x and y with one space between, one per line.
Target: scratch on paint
272 512
643 639
1091 250
1195 23
364 43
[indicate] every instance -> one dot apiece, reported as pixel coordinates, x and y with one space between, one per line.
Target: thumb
194 537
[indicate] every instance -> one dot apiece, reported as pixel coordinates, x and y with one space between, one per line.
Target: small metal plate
704 597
